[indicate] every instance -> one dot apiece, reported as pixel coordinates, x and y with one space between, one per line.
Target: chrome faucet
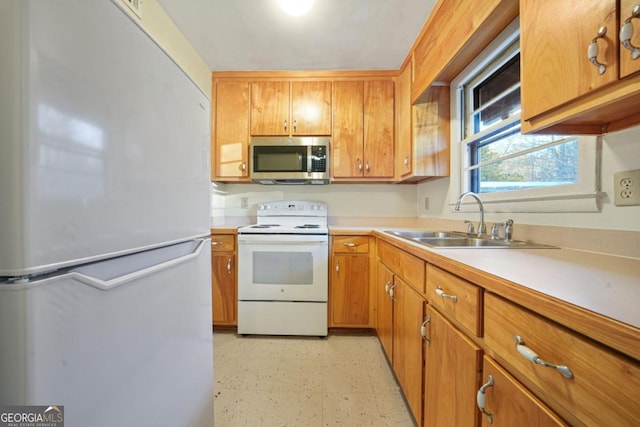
482 228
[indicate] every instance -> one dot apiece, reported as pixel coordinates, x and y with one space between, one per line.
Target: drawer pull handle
351 245
217 243
593 51
441 294
626 33
387 287
531 356
481 400
337 268
229 266
391 291
423 330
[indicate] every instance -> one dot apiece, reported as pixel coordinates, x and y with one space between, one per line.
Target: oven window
283 268
279 159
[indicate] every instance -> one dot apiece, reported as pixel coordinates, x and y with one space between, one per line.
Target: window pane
498 97
553 165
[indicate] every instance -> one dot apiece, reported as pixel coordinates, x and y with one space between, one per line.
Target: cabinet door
270 108
347 138
350 290
508 403
452 375
555 36
628 65
378 128
408 315
223 290
384 313
404 147
311 108
231 129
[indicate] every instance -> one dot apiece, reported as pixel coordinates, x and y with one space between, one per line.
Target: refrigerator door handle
111 283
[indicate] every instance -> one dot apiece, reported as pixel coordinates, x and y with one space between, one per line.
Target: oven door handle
283 242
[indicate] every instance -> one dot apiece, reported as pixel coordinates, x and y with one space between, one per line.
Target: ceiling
245 35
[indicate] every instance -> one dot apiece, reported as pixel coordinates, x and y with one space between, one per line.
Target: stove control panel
285 207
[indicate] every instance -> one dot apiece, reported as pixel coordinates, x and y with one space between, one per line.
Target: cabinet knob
366 166
285 125
359 166
295 126
626 33
532 356
480 399
243 166
593 50
406 161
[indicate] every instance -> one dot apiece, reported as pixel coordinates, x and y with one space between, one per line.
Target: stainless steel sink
457 240
420 234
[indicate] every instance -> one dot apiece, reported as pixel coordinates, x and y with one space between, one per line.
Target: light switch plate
626 188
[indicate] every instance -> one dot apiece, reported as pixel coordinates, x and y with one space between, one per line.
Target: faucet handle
508 230
470 228
495 230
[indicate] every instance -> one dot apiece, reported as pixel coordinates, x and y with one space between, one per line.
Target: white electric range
283 270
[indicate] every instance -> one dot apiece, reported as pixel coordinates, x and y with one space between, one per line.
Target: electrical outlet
244 203
626 188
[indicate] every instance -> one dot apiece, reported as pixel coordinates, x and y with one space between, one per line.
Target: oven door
283 267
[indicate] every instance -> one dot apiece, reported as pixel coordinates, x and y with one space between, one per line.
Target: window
499 162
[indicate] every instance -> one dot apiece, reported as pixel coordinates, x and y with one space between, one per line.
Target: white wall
620 151
343 200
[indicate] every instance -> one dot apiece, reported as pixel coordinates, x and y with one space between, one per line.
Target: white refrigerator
105 267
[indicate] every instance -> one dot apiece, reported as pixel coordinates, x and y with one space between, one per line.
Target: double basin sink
457 240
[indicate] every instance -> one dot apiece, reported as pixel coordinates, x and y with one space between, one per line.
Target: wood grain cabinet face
231 131
363 129
349 282
508 403
562 90
408 315
628 65
452 375
456 297
555 37
223 278
284 108
605 387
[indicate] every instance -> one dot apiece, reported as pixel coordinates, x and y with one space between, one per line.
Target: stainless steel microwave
296 160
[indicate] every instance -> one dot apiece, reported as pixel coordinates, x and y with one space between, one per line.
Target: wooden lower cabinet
452 375
408 315
508 403
349 282
384 309
223 280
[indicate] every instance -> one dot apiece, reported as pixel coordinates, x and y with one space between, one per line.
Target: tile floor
341 380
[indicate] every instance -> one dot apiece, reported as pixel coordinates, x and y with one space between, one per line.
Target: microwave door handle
309 158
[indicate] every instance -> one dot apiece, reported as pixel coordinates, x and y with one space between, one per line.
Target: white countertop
605 284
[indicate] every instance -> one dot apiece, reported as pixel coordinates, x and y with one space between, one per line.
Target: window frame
583 196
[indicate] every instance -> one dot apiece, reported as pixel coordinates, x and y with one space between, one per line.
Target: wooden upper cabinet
311 108
363 129
562 91
628 65
270 108
231 131
404 146
378 128
554 62
347 138
284 108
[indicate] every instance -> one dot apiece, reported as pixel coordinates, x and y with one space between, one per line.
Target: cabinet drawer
605 388
456 297
350 244
223 243
405 265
